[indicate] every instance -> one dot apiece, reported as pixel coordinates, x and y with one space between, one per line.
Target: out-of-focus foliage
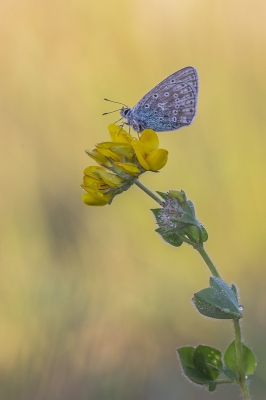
93 302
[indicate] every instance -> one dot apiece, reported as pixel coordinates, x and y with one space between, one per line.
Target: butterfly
169 106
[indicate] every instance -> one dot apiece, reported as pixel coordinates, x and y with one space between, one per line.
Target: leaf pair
203 365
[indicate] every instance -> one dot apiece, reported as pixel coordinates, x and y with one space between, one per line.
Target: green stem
223 381
148 191
240 360
214 272
208 261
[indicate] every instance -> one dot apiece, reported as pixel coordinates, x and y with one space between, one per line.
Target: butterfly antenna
117 102
110 112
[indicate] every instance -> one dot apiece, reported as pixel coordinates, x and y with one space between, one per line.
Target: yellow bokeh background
93 302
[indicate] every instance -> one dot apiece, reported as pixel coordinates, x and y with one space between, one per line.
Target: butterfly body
168 106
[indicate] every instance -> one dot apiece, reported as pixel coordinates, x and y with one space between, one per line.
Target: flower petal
157 159
99 158
111 179
95 198
92 170
150 140
129 168
123 150
140 152
119 135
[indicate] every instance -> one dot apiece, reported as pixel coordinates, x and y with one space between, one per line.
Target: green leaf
205 358
234 290
170 237
186 356
186 359
201 364
217 301
230 359
196 376
212 386
228 373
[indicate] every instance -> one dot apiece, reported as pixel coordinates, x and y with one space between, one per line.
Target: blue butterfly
168 106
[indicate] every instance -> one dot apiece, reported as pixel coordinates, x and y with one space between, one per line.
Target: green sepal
201 364
156 213
188 216
170 237
197 233
230 359
217 301
179 195
204 233
163 195
193 233
190 207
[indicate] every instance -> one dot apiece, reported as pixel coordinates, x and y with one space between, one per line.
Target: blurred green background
93 302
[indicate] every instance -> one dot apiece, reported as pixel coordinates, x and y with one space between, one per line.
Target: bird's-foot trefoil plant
121 162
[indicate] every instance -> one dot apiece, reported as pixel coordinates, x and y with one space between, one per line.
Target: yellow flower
95 198
121 162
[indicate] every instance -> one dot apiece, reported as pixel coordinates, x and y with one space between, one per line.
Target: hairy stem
240 361
208 261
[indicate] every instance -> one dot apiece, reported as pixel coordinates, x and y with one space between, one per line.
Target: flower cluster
177 220
121 161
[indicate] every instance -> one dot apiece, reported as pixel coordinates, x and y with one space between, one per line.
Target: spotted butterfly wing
168 106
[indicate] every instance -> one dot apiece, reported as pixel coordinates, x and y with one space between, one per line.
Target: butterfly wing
171 104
